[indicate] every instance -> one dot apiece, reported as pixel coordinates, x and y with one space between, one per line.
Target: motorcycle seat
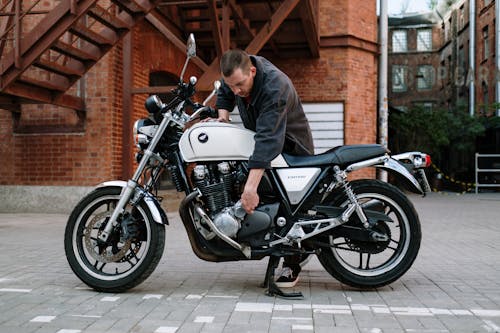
341 156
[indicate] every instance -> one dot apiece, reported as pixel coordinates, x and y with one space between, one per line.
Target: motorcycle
365 233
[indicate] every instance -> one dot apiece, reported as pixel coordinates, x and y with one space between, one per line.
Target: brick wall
341 74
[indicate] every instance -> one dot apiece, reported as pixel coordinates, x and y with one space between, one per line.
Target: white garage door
326 120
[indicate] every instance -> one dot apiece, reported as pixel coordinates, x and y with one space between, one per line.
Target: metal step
74 52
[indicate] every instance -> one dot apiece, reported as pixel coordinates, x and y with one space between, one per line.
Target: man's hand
223 117
250 198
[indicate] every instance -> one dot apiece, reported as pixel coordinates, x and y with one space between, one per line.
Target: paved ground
454 285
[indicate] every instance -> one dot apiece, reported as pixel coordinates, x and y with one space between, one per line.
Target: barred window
425 77
399 41
424 40
486 44
399 78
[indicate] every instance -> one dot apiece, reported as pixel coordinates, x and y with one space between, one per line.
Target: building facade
47 149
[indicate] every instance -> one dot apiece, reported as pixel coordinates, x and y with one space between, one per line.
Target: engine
219 184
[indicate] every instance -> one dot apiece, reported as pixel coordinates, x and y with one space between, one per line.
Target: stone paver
453 286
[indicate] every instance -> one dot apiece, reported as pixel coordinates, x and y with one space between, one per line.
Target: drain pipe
383 112
497 69
472 58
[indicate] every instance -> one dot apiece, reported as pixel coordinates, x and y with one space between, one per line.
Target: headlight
143 131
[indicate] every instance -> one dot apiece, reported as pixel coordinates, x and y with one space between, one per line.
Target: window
486 45
461 17
163 79
486 97
424 40
399 78
425 77
399 41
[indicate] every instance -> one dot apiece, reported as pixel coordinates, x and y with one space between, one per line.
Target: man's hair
233 59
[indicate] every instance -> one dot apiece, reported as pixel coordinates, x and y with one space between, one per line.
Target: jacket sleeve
225 98
270 133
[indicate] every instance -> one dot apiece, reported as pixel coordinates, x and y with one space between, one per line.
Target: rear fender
394 166
154 207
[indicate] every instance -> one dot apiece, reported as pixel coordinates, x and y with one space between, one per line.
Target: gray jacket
275 113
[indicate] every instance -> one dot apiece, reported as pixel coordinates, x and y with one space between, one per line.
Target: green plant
449 136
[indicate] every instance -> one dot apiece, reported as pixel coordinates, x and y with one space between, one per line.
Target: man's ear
253 70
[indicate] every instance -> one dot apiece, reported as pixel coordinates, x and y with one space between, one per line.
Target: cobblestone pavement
453 286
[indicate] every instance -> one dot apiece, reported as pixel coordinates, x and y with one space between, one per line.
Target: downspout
497 52
472 58
383 113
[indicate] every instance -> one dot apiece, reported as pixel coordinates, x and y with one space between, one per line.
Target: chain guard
372 247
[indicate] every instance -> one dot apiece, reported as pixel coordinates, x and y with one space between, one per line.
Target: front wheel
130 255
364 264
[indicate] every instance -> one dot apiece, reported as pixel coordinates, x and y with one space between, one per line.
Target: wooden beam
216 31
159 23
213 72
127 107
39 94
226 26
309 16
269 28
238 12
5 22
153 90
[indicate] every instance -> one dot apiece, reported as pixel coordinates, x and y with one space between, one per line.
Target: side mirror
191 46
191 53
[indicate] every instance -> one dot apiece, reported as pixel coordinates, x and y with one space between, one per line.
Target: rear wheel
367 264
130 255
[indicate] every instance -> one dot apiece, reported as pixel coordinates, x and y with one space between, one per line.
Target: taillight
428 161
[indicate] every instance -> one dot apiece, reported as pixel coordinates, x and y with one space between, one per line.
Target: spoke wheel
120 263
374 264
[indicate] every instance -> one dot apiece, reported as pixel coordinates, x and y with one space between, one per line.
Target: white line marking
110 299
204 319
14 290
154 296
222 296
86 316
303 327
486 313
283 307
193 297
68 331
166 329
333 311
461 312
292 318
43 319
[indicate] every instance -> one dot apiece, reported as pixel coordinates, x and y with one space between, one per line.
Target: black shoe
287 278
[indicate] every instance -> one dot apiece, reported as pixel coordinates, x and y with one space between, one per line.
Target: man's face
241 83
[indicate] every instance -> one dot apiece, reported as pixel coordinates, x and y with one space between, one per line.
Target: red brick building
81 136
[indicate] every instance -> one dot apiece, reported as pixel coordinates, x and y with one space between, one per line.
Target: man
269 105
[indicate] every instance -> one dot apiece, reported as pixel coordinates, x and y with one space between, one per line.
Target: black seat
341 156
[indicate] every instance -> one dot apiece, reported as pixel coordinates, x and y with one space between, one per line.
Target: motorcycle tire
363 264
122 263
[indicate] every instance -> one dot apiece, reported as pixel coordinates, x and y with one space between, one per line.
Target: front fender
391 164
154 207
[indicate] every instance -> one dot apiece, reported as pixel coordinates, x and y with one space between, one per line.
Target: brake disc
114 251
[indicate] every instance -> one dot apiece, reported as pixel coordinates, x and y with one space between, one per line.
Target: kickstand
272 288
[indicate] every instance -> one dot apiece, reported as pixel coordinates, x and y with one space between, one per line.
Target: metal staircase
45 50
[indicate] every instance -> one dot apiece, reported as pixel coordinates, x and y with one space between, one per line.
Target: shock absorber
341 178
